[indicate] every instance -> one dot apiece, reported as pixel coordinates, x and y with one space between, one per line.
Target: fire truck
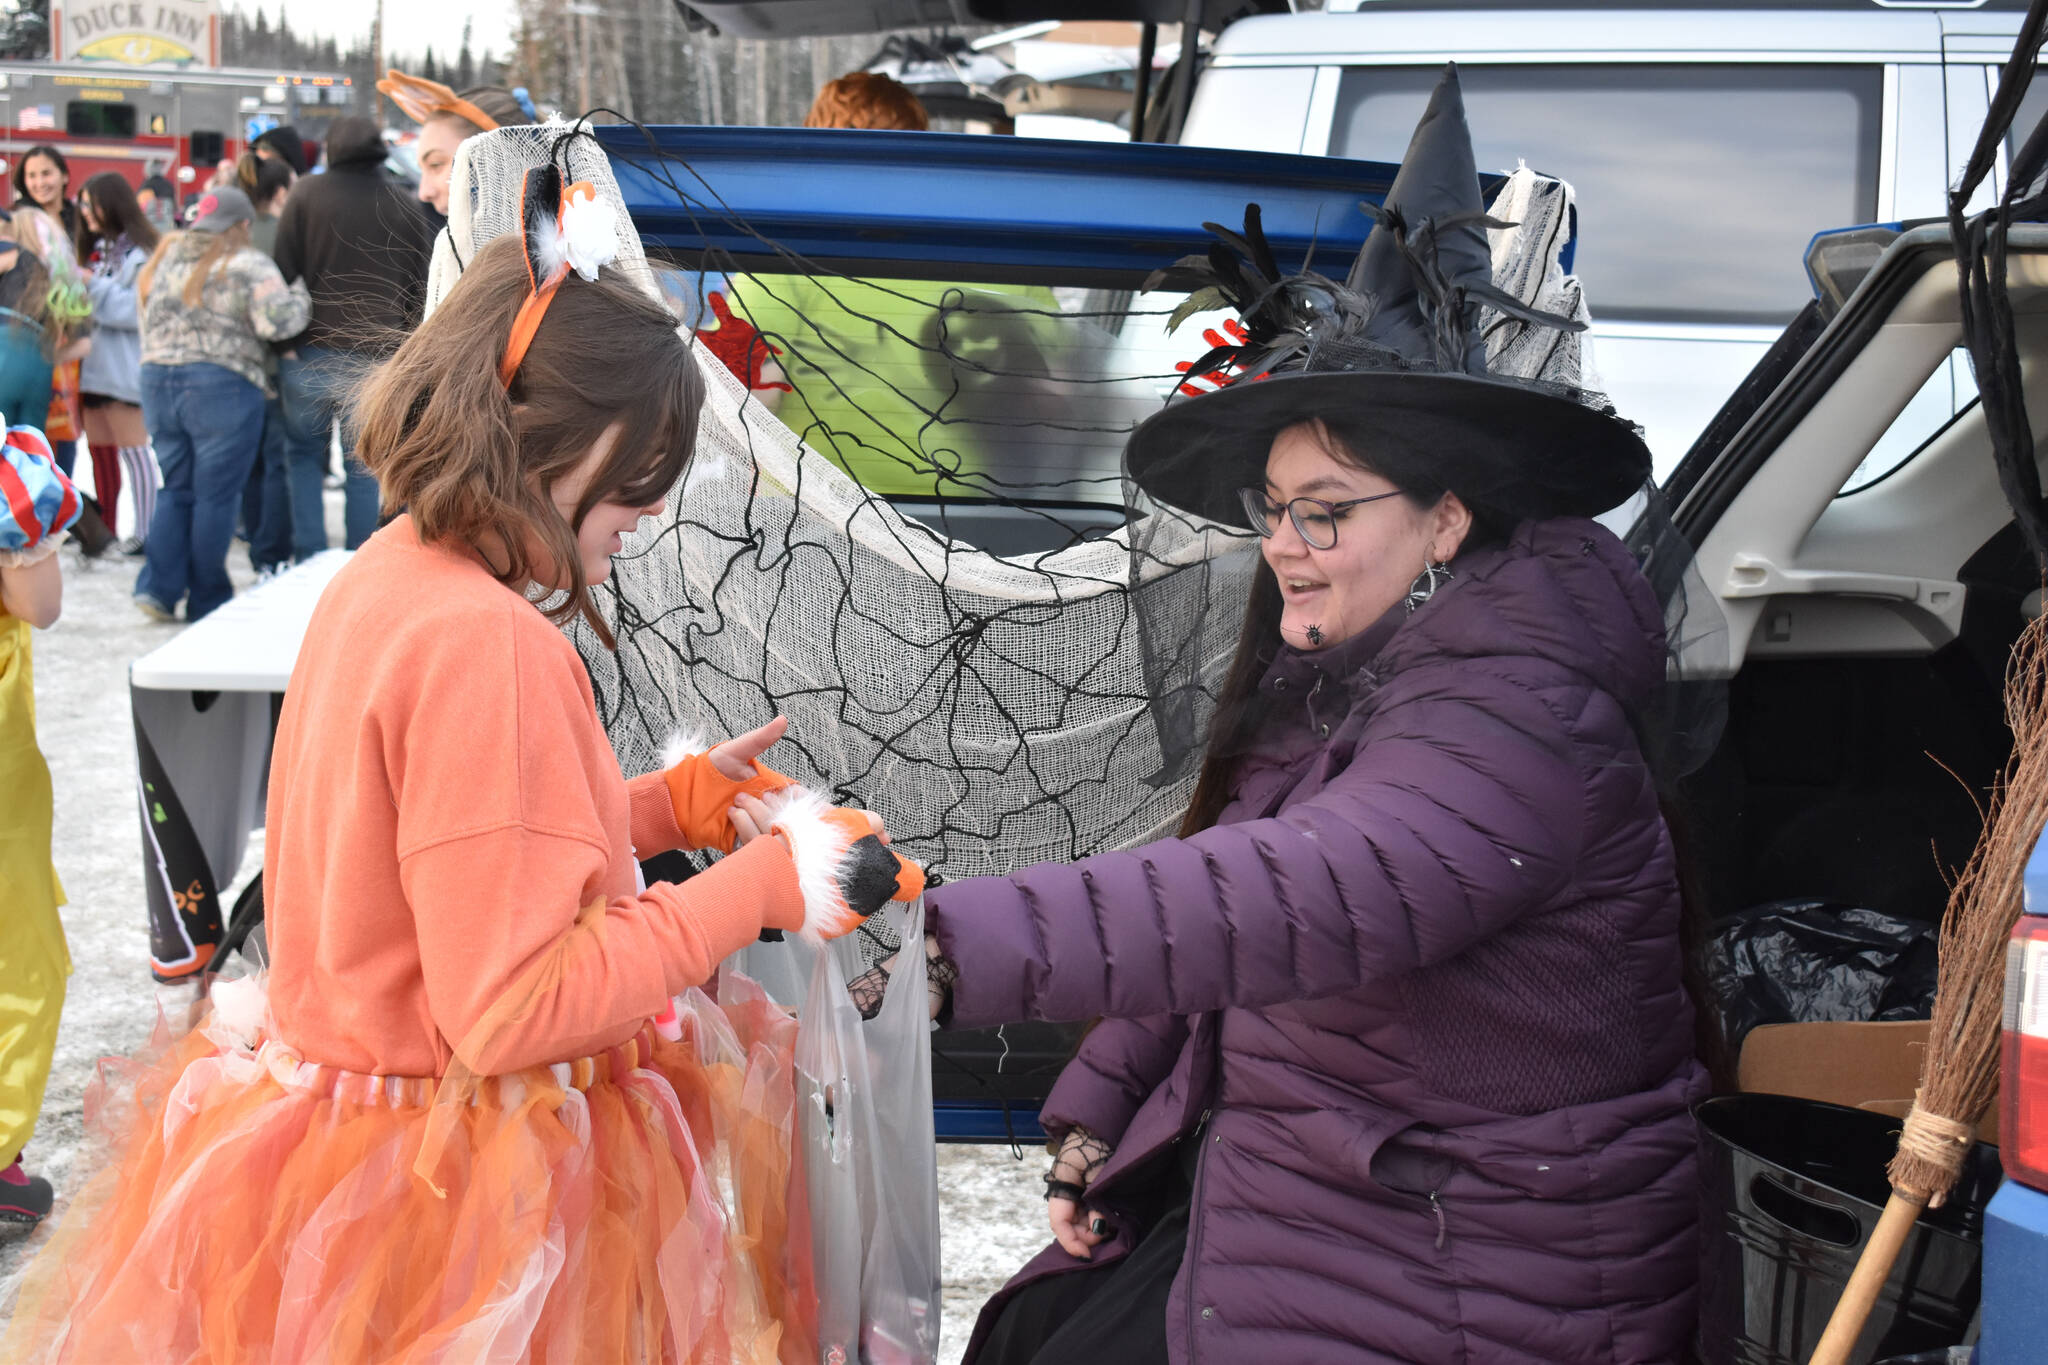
157 120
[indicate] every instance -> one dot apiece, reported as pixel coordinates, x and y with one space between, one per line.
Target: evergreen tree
25 30
465 62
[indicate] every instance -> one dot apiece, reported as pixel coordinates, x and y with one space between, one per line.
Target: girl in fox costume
451 1133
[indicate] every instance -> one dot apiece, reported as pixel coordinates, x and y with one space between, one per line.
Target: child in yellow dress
450 1133
37 505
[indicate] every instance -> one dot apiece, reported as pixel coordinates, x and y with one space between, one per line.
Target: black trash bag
1802 961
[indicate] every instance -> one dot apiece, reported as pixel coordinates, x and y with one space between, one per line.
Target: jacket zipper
1443 1228
1192 1256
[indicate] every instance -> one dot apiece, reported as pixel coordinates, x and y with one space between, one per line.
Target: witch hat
1395 349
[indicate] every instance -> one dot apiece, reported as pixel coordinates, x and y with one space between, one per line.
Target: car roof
1378 35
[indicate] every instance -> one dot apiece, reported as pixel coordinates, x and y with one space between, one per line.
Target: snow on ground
992 1215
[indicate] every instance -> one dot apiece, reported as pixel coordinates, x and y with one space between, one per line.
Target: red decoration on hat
208 204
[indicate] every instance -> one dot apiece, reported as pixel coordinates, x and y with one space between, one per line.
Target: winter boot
24 1198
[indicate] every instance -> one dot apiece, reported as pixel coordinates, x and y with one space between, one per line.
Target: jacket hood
354 142
1563 590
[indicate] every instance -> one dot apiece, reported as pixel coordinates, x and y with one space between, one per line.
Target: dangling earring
1435 573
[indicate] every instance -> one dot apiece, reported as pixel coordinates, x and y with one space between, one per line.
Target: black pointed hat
1395 349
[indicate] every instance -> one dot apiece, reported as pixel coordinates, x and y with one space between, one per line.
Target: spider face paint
1315 635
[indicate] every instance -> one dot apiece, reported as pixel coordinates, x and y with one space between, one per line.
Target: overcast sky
410 26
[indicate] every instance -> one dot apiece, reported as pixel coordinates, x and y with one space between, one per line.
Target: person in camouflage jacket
211 303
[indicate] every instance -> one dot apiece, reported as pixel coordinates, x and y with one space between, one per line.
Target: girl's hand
869 988
734 759
1075 1227
751 816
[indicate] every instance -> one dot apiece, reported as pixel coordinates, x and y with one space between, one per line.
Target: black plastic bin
1791 1190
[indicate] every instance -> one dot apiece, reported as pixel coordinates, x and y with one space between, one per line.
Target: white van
1707 142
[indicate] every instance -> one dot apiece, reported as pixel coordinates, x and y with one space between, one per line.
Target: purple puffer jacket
1423 977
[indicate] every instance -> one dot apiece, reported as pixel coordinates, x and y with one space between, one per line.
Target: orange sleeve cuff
700 797
653 818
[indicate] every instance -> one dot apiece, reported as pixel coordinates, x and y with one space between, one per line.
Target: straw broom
1959 1076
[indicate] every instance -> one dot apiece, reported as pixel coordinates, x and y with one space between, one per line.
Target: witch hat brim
1394 357
1503 447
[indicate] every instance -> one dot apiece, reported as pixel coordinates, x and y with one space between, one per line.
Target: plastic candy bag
866 1157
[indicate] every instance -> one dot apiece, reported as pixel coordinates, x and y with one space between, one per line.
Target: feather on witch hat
1396 349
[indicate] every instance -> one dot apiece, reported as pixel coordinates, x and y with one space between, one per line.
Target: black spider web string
754 603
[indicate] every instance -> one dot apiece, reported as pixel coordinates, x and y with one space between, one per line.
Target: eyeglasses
1315 519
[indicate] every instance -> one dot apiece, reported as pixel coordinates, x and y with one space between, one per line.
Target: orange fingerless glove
703 797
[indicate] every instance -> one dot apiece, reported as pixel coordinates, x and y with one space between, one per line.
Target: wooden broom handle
1873 1268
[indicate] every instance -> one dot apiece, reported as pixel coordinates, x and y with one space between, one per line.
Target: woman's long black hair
114 204
72 222
1350 440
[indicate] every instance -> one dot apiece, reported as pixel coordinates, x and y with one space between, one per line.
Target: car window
1698 185
2033 105
1948 393
1018 392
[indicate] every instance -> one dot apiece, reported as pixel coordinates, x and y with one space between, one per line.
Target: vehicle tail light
2023 1087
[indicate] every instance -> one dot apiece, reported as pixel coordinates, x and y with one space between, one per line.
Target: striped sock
106 482
141 467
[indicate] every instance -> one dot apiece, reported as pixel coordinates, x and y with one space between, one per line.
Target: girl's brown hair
474 464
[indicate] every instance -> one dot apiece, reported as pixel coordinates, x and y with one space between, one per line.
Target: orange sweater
444 809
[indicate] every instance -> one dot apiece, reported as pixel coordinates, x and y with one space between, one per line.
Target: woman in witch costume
450 1133
1395 1058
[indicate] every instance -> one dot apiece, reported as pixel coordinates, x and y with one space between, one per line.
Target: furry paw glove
845 872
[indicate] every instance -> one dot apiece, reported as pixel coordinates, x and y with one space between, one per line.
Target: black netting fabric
905 528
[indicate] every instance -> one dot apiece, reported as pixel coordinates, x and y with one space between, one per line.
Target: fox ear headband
419 99
563 229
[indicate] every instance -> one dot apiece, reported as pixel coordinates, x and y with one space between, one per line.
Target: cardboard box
1865 1066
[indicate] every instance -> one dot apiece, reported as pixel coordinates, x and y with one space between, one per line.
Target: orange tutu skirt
255 1207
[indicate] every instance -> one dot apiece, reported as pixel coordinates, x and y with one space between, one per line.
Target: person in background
42 179
360 244
26 349
445 118
283 143
863 99
33 958
267 501
109 378
159 199
211 302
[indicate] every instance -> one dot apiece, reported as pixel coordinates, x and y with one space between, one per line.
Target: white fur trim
241 1012
818 848
685 743
586 238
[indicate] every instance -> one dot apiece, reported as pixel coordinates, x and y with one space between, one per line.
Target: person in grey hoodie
110 377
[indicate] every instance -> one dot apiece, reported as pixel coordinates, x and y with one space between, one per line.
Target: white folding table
205 705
